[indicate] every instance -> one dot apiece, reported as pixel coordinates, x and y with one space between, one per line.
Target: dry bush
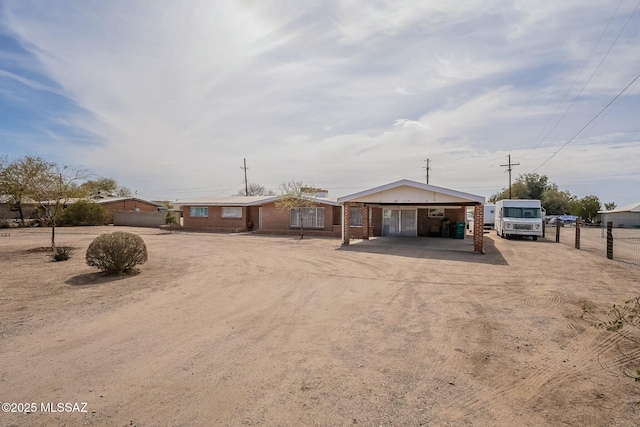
62 253
117 253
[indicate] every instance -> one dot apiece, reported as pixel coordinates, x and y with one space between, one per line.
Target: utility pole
509 168
427 168
246 183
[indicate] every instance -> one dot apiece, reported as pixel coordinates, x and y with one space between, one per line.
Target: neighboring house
260 214
624 217
127 204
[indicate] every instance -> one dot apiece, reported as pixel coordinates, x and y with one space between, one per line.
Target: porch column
478 228
365 222
346 225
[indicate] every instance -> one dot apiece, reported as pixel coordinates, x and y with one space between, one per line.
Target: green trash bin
458 230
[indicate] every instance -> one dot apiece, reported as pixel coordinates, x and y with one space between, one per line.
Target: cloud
171 96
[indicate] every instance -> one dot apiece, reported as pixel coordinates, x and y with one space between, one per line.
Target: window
231 213
311 217
521 212
201 212
355 217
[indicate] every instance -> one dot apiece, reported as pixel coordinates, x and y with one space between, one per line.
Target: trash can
458 230
445 228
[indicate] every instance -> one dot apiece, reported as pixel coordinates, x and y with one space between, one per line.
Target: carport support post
346 224
557 230
365 222
478 228
578 233
610 239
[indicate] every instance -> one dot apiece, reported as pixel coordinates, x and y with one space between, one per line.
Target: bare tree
296 198
256 189
52 188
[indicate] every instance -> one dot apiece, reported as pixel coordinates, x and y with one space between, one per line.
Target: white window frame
313 219
231 212
198 212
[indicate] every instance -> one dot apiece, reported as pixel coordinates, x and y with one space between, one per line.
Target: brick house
409 208
402 208
127 204
260 215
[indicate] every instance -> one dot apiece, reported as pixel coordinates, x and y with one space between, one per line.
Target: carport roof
412 193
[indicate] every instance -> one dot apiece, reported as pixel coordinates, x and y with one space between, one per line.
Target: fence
624 243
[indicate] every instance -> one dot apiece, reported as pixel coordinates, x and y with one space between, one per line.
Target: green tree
83 212
557 202
610 206
103 187
587 208
255 190
518 191
296 198
16 177
526 186
170 219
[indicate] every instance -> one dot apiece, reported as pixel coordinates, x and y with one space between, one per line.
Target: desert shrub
83 212
117 253
62 253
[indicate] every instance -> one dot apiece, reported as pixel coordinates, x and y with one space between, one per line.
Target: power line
580 72
590 121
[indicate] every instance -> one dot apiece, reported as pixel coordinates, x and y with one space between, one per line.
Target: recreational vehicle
489 217
519 218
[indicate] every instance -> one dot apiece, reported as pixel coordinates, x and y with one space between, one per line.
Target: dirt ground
250 330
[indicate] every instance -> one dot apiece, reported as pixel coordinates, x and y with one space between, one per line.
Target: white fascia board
375 194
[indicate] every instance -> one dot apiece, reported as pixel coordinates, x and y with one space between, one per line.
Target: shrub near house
83 212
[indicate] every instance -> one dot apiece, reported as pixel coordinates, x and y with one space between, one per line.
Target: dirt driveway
250 330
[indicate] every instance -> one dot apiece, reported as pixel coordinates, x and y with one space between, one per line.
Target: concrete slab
434 243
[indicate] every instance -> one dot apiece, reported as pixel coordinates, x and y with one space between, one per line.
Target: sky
169 97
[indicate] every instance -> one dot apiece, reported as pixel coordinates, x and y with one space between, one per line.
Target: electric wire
589 122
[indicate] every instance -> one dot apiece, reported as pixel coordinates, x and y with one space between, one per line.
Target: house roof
635 207
411 192
120 199
243 201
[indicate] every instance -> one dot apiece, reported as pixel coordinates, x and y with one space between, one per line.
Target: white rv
489 216
519 218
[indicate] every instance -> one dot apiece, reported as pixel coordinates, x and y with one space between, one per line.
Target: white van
519 218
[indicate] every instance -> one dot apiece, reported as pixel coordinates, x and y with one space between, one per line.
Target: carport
410 209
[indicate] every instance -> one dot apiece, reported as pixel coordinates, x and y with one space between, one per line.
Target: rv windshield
521 213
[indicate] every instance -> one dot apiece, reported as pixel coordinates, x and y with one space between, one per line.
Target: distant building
625 217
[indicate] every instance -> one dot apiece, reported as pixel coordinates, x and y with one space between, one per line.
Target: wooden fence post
557 230
610 240
578 233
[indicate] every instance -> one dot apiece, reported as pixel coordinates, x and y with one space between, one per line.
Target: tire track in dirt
496 399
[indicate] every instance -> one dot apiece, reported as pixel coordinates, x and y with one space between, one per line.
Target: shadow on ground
429 248
96 278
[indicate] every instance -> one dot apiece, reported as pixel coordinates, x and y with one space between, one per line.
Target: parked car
553 222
